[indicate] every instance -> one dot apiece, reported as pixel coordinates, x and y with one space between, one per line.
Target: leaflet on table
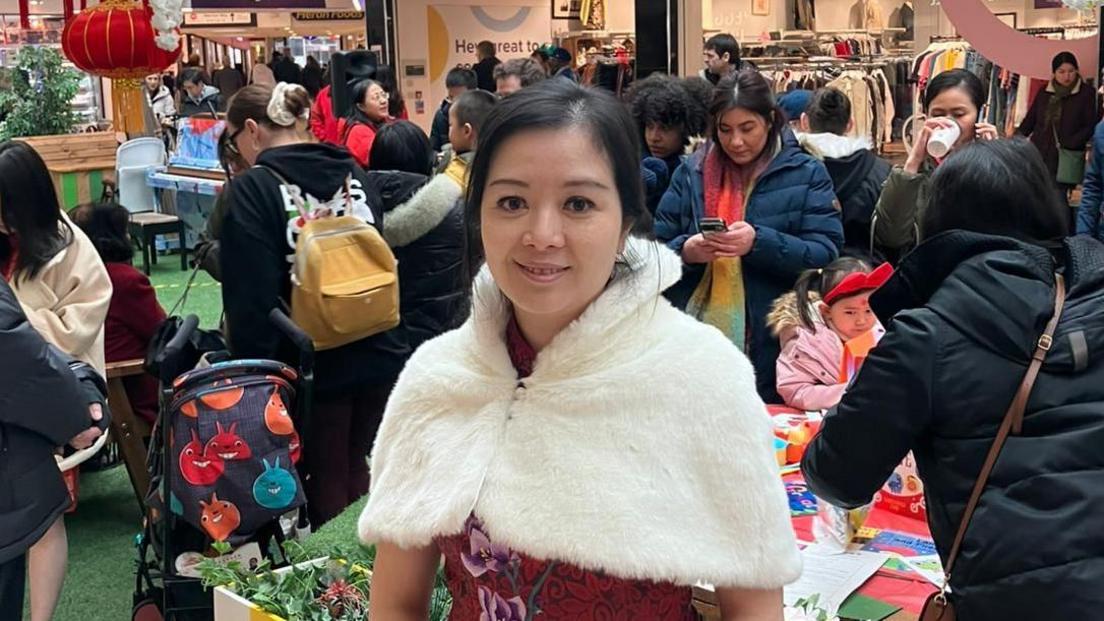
834 576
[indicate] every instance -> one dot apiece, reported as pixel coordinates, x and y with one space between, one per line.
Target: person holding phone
953 104
748 213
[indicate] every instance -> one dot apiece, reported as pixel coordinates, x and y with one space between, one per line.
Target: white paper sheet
835 576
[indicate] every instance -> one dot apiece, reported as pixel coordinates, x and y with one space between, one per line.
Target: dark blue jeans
13 575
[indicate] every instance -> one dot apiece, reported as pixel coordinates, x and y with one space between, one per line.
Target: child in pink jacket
825 340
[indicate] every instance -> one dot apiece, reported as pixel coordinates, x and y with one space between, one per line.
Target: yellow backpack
344 278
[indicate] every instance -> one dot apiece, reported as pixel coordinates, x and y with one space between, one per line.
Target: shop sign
455 31
220 19
328 16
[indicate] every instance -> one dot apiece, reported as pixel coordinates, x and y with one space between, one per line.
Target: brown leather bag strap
1013 420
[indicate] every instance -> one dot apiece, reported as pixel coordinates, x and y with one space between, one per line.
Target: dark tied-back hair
996 187
473 107
559 105
722 44
670 102
29 209
829 111
822 281
402 146
955 78
105 224
252 102
751 91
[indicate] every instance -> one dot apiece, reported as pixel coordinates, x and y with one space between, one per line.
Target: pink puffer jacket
808 369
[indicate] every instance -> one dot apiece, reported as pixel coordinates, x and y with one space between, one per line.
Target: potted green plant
331 588
39 100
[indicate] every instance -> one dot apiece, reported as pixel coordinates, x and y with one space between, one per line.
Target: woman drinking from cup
952 105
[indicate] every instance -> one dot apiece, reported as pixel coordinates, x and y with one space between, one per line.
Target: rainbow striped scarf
719 299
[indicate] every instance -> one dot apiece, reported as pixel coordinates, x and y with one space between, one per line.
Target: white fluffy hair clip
277 106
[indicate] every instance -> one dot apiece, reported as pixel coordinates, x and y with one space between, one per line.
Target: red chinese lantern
116 40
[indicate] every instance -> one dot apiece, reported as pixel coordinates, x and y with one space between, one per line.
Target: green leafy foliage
36 100
334 590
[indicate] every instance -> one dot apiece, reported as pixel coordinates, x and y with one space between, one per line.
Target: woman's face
663 141
742 134
374 104
551 223
956 104
1066 74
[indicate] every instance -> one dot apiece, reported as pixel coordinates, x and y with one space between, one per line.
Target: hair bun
289 104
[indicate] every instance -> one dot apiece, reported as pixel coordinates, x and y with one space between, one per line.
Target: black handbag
199 343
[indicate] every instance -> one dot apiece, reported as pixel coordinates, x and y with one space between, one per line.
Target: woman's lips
542 273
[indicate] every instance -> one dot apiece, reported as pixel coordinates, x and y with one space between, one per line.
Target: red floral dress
490 582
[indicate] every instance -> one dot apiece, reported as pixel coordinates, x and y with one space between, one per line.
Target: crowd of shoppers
555 245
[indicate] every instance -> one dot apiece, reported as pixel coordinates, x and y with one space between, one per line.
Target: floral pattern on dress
490 582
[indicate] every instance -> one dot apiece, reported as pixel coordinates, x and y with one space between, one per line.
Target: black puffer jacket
858 175
424 225
966 311
43 404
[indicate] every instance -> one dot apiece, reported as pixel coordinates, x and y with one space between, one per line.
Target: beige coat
67 300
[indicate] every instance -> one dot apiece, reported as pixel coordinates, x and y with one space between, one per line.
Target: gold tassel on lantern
126 100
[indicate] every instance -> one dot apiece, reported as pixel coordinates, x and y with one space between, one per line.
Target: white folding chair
132 163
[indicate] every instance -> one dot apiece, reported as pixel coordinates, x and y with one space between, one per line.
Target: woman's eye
511 203
578 205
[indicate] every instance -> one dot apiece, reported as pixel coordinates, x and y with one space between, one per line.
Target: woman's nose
545 228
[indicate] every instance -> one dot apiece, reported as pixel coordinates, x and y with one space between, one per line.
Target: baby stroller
221 466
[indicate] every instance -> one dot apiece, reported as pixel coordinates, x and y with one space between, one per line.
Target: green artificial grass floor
204 300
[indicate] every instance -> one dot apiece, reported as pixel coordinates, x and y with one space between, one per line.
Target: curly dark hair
670 102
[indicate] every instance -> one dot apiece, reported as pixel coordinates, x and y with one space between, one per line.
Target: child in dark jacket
135 314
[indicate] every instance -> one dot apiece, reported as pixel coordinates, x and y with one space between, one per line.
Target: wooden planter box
78 164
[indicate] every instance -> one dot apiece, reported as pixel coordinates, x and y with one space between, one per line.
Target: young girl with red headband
834 330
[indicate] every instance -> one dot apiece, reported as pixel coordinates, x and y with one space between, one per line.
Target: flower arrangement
334 589
807 610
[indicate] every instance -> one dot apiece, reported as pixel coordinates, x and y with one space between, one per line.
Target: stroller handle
167 359
297 336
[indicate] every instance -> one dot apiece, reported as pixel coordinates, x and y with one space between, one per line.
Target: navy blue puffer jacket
797 227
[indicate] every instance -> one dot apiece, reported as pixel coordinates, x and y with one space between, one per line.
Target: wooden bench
79 164
130 432
146 226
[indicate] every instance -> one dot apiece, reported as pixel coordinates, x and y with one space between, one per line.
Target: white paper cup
943 140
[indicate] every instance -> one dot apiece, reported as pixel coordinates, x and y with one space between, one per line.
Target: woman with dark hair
268 127
65 291
540 386
134 315
964 315
769 212
952 102
424 225
396 105
369 113
402 146
1063 115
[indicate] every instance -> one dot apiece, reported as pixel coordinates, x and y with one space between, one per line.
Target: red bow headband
859 282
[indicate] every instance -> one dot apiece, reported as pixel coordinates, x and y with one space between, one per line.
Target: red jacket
132 319
322 121
358 141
